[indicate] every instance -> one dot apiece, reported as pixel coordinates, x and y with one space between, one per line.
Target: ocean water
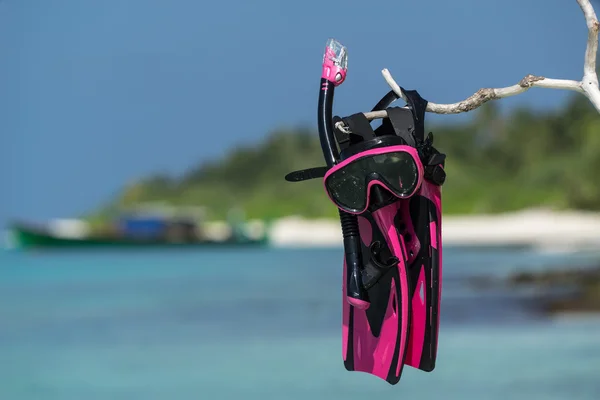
265 324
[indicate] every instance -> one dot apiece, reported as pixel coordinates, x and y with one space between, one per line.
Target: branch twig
588 86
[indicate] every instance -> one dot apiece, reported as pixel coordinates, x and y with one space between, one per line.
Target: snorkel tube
335 65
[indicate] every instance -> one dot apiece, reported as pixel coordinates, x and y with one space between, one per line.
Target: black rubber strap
385 101
360 125
403 124
418 106
385 128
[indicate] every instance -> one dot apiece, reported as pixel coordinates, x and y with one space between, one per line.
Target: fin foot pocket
381 260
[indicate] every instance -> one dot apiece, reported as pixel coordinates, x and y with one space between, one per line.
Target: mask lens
398 171
348 185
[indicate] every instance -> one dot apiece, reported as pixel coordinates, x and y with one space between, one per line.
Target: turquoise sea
265 324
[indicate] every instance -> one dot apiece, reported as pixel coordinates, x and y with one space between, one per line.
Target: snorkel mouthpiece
335 62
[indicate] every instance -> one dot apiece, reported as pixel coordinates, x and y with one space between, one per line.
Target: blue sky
95 94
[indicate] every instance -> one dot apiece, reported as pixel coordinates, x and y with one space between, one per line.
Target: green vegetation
495 163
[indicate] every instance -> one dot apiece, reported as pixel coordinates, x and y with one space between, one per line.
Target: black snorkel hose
356 294
325 123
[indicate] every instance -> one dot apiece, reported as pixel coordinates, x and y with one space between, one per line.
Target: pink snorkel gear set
386 184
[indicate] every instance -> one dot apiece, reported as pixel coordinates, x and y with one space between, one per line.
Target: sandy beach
544 229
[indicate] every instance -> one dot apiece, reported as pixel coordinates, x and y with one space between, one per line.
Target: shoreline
546 230
541 229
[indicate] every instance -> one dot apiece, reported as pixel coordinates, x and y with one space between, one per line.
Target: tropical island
496 163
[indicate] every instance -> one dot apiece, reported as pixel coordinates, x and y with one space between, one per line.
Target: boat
135 231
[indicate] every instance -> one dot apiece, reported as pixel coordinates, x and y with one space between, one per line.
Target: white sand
545 229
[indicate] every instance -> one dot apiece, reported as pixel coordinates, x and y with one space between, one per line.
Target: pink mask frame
380 150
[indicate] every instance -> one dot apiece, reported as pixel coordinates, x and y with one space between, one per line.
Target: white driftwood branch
588 86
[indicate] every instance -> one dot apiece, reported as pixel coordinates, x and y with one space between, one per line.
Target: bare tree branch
588 86
589 67
589 82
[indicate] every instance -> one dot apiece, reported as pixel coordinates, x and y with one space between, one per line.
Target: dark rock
579 289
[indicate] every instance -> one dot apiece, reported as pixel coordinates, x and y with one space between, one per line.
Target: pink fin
375 339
